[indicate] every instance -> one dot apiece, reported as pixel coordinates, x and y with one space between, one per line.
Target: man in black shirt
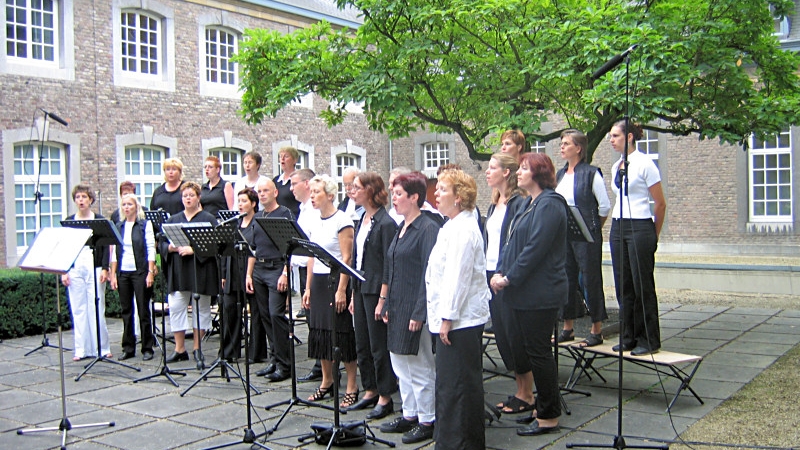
267 278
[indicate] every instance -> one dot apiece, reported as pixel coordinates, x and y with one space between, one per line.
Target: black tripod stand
37 200
104 233
348 433
619 440
241 249
65 245
284 234
158 218
219 240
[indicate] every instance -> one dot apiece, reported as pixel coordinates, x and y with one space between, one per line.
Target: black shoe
625 348
198 356
266 370
278 375
175 357
301 314
381 411
364 403
534 429
147 356
310 376
525 420
641 351
399 425
126 355
418 434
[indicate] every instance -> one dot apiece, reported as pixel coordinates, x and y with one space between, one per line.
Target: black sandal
349 399
320 393
592 340
516 405
566 336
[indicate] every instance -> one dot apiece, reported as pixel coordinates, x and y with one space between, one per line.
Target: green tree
478 67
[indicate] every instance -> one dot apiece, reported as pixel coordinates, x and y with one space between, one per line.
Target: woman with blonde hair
133 269
168 195
458 307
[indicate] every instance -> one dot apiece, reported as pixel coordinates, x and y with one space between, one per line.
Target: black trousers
374 363
584 260
268 316
634 281
134 285
459 390
505 336
231 340
539 324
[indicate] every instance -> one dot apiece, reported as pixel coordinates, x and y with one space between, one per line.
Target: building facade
139 81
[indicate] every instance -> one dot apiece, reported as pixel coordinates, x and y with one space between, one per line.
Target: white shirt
456 276
128 263
567 190
242 183
307 220
494 227
642 174
326 235
361 239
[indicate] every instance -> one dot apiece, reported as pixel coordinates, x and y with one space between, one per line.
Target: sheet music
54 250
175 235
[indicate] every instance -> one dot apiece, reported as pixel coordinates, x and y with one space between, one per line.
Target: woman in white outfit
80 282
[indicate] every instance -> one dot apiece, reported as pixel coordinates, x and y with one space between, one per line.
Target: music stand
104 233
54 250
286 234
348 433
227 214
205 241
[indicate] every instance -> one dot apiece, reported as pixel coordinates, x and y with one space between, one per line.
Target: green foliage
477 67
21 305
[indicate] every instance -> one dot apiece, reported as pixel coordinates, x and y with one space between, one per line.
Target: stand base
107 360
64 426
249 438
46 344
165 371
347 434
225 367
291 402
619 443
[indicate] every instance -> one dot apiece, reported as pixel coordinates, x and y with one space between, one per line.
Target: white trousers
82 278
417 376
179 314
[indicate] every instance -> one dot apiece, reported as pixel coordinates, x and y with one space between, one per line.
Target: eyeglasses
356 188
349 186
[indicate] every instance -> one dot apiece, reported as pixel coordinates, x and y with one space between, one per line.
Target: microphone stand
619 440
37 200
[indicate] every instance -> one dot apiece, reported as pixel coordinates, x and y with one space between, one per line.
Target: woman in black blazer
133 268
532 275
373 237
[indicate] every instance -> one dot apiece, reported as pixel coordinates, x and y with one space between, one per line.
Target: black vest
138 241
584 197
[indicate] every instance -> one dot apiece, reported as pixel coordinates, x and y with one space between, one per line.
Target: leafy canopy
478 67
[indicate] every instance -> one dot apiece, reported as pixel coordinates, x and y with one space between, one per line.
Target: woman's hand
148 280
444 330
185 251
248 284
498 282
340 300
307 299
112 281
414 325
65 279
351 307
103 275
379 309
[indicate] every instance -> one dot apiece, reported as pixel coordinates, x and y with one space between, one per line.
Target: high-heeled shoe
320 393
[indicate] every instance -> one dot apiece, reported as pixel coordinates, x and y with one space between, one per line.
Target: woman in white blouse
582 186
458 308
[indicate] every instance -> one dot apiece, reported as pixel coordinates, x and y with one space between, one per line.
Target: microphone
613 62
55 117
232 219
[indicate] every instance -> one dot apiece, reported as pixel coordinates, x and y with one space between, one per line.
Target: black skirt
320 321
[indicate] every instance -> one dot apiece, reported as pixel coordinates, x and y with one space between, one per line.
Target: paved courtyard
737 344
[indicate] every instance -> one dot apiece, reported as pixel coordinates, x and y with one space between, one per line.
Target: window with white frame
648 145
39 39
435 154
231 162
220 46
780 24
770 177
31 29
143 43
538 147
344 161
143 169
51 174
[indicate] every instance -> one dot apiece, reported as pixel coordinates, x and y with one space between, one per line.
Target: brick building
143 80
